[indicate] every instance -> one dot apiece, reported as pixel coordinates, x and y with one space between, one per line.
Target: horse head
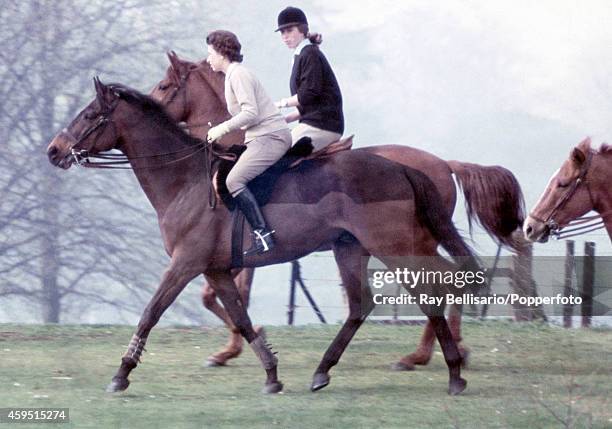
566 197
92 131
193 93
171 90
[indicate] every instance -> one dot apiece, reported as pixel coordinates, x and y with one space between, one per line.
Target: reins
588 224
83 158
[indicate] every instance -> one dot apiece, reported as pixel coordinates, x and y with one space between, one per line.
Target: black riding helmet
291 16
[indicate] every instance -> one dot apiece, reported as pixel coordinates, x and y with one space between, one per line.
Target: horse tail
494 198
434 215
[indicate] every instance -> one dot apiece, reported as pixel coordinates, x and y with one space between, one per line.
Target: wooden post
291 311
522 281
568 309
395 306
491 275
588 277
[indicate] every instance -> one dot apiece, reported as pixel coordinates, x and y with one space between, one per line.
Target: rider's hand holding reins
216 132
282 103
287 102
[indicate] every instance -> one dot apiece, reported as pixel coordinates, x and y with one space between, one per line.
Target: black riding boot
262 235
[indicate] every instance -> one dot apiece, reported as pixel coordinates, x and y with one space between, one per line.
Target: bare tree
64 240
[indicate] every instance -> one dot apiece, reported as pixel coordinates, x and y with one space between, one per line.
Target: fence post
568 309
588 277
294 274
522 281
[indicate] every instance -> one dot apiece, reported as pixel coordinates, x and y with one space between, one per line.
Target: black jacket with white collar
313 80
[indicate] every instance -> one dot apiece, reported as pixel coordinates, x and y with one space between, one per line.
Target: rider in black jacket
314 88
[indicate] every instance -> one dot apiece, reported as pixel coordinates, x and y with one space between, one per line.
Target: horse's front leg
173 282
226 290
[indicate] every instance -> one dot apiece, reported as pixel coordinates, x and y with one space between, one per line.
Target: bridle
82 157
175 90
587 223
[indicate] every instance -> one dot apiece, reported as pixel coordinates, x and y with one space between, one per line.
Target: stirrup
262 242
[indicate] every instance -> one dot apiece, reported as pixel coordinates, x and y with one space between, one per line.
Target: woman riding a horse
267 137
314 88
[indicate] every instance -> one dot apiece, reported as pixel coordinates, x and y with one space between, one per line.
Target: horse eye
89 115
562 184
163 86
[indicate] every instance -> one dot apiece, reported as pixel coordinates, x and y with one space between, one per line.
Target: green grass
520 375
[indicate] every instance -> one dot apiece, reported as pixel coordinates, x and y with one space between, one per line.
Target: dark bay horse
357 204
194 94
583 183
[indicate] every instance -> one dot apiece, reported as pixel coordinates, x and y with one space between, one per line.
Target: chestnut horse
358 204
583 183
194 94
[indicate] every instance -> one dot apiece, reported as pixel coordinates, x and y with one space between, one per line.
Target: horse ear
171 56
585 145
103 93
578 156
176 66
100 87
175 62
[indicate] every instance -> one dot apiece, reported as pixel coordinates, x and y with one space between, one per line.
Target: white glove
215 133
282 103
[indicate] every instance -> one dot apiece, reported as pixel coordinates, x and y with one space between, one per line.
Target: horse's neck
163 178
209 107
603 191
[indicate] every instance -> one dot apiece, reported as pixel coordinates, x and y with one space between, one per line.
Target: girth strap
237 238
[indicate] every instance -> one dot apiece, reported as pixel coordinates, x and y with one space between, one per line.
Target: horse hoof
212 363
319 381
465 359
272 388
117 385
402 366
456 387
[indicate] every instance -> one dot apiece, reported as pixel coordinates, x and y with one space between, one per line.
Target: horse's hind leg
243 279
424 351
351 261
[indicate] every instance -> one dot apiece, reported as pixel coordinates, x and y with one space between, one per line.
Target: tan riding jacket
251 108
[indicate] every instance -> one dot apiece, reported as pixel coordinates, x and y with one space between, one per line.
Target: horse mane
605 149
153 110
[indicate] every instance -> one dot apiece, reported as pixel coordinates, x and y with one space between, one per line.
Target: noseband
81 156
550 222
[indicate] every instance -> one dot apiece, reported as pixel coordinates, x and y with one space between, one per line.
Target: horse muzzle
535 230
59 151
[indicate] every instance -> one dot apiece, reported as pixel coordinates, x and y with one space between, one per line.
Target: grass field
521 375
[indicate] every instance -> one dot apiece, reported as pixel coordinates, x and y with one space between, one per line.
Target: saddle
263 185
